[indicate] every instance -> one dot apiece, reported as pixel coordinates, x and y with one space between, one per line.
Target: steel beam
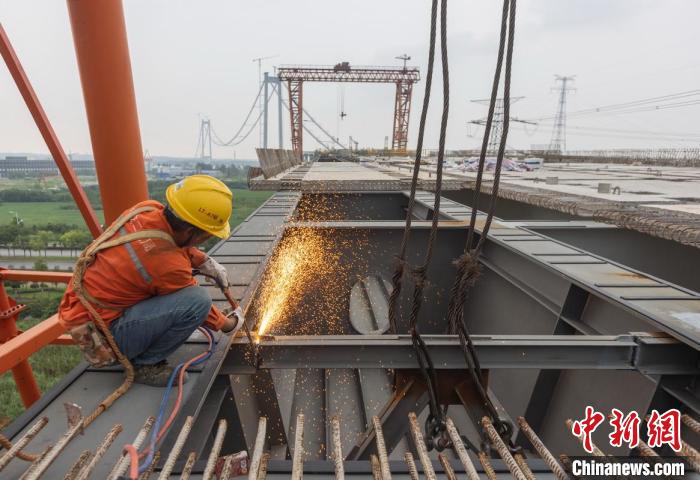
649 355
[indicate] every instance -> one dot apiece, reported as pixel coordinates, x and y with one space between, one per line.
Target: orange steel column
22 372
99 34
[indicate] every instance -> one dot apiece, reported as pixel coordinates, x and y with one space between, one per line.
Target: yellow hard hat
203 201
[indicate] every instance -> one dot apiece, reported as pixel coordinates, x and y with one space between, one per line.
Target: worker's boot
156 375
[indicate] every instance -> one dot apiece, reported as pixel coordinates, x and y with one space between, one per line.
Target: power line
636 105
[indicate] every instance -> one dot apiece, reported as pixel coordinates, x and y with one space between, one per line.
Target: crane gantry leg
402 109
296 115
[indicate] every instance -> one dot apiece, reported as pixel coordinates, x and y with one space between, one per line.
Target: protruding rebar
420 447
566 462
447 467
36 462
337 448
85 472
645 450
226 469
690 455
258 449
215 449
149 471
187 469
542 450
376 467
74 470
123 462
502 449
23 442
412 470
488 468
177 448
596 451
524 467
298 456
458 446
691 423
52 454
262 472
381 448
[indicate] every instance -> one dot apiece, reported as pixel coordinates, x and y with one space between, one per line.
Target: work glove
214 269
234 321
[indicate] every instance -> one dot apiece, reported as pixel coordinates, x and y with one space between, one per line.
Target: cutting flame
299 258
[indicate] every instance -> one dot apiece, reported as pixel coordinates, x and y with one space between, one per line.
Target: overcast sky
193 59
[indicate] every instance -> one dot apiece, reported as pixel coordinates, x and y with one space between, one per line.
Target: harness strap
103 242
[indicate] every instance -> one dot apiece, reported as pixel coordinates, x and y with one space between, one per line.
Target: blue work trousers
151 330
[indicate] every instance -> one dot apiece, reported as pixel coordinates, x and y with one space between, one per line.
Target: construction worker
137 280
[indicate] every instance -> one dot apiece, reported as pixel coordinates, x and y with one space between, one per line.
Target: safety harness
102 333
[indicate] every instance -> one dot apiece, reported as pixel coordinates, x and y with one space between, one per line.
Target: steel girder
646 354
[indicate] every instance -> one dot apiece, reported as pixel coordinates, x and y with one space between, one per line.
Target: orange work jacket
127 274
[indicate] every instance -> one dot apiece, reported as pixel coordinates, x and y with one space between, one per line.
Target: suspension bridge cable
220 142
333 139
307 130
232 143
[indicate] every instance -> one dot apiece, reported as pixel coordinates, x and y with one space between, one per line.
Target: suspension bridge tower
558 141
204 142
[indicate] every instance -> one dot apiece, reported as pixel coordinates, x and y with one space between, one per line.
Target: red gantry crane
404 78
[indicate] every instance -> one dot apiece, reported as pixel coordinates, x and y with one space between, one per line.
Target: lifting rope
468 269
435 423
467 264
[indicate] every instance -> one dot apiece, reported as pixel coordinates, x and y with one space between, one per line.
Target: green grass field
40 213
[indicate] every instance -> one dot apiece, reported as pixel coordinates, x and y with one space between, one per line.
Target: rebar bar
691 423
488 468
33 465
262 472
502 448
23 442
645 450
75 469
149 471
596 451
177 448
420 447
447 467
381 448
298 455
376 467
412 470
123 462
337 448
566 462
690 455
458 447
215 449
226 469
85 472
524 467
542 450
258 449
52 454
187 469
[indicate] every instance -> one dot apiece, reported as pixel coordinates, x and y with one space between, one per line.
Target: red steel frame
15 346
99 34
404 78
48 133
